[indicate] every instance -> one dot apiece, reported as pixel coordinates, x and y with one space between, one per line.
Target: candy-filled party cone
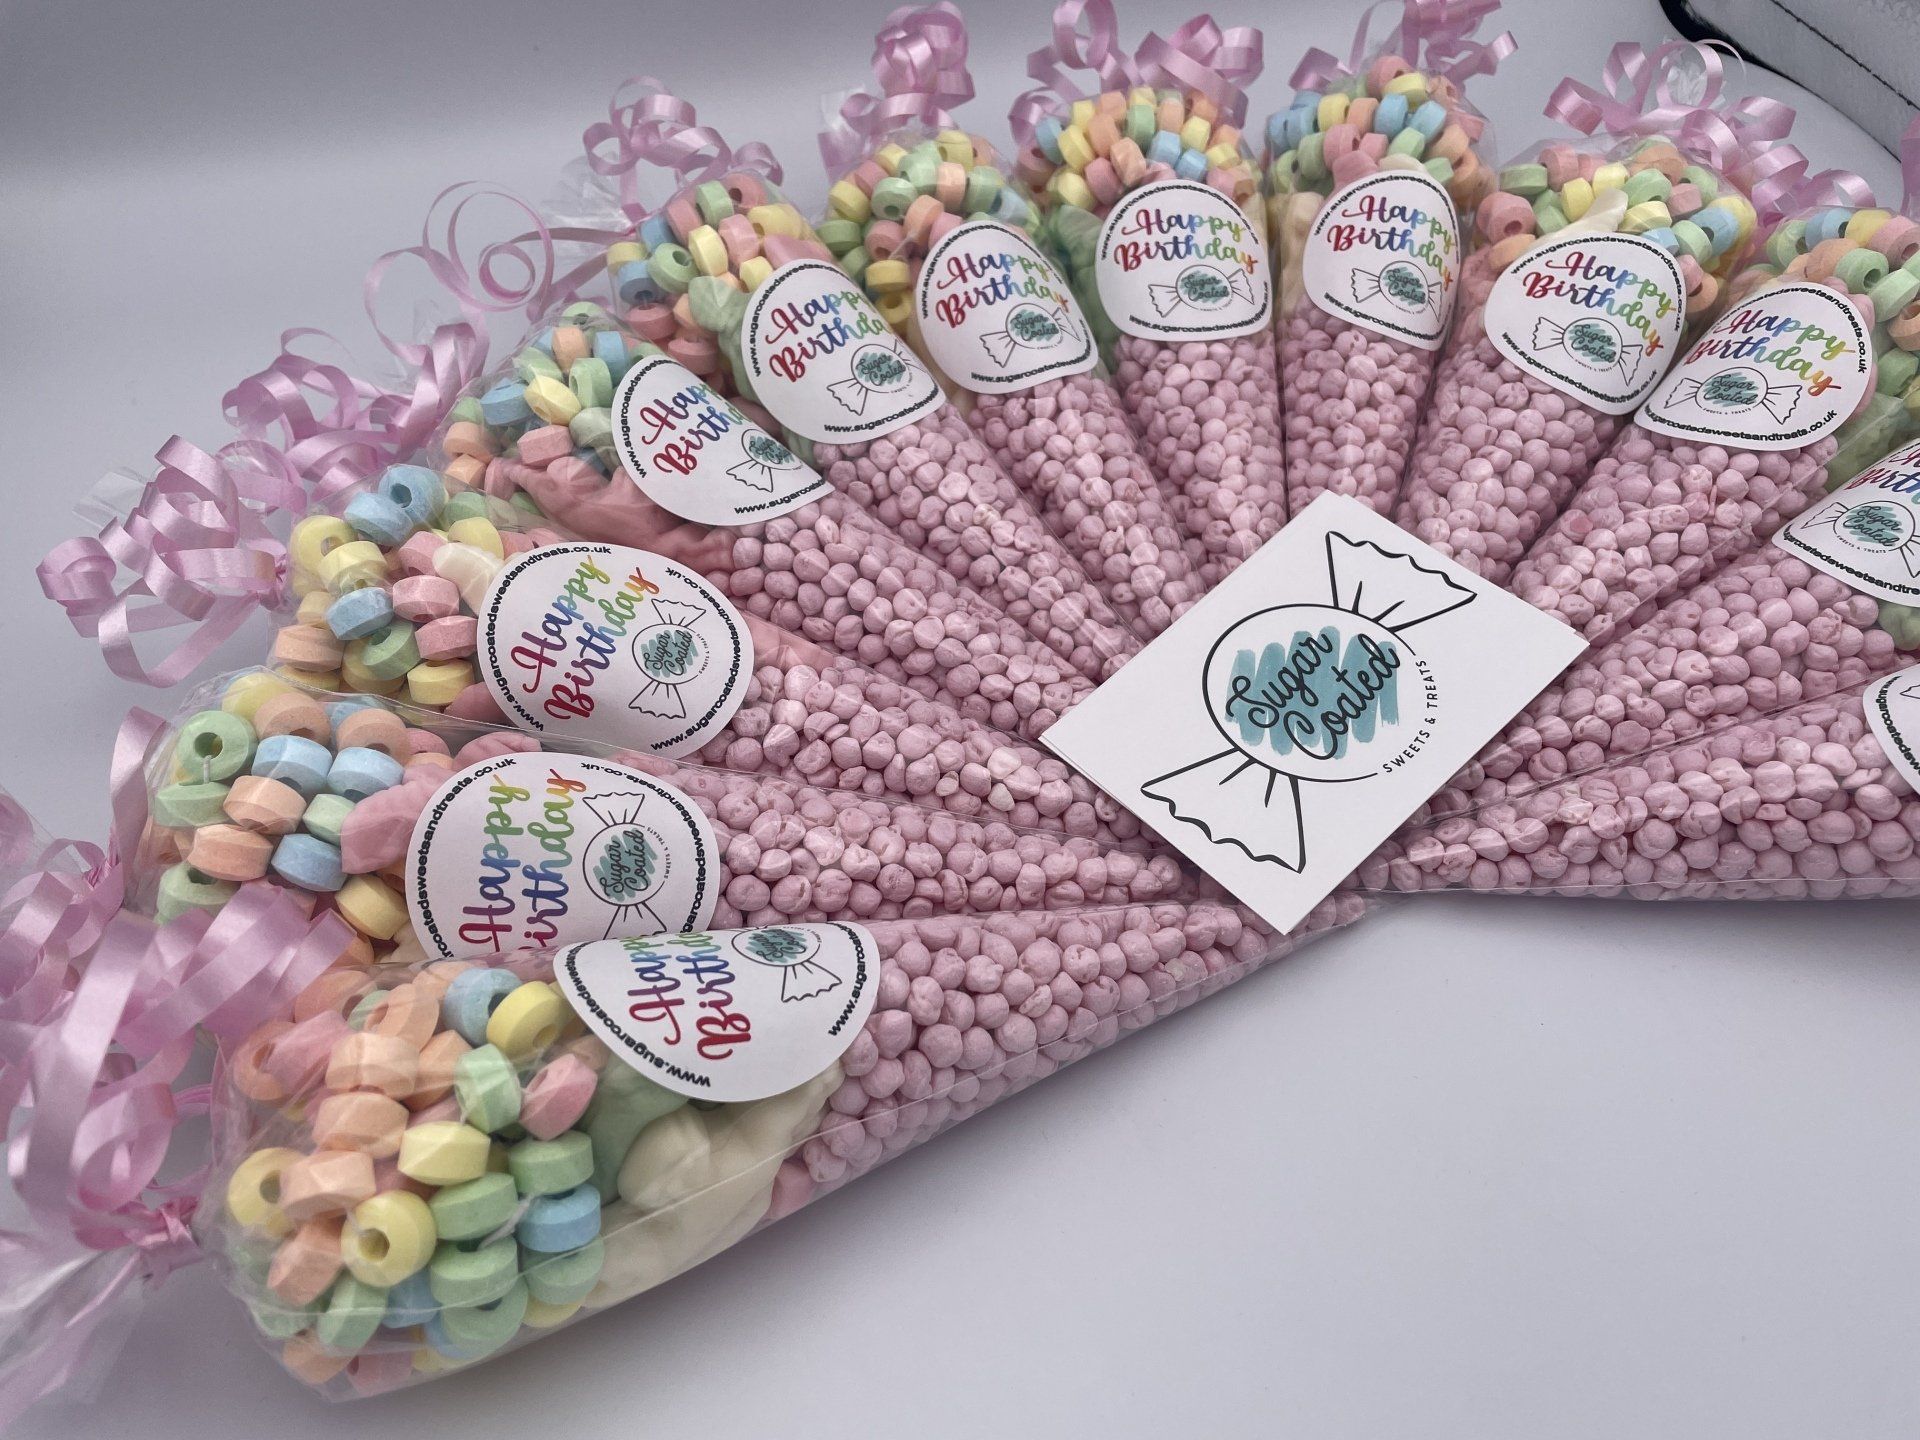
1371 169
536 1140
1589 268
1148 194
1811 802
942 239
360 806
450 608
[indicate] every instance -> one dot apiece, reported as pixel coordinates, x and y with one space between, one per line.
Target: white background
1479 1169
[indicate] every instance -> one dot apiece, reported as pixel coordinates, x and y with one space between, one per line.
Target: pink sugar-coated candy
414 558
359 1120
377 1371
420 598
1500 451
792 1188
430 769
247 1063
547 442
1801 804
425 742
1766 633
972 1008
447 1107
377 831
466 437
326 1182
334 992
1352 400
228 852
1067 445
557 1096
368 1060
833 575
448 639
934 484
434 1076
1657 515
809 716
407 1012
307 647
293 713
1208 417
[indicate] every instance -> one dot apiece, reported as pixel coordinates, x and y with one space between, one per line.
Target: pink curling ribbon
98 1021
1096 49
101 1102
1809 191
1203 58
60 906
1199 56
1740 139
198 554
330 430
1434 36
648 124
920 65
198 547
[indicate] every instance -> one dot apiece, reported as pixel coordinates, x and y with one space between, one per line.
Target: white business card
1283 727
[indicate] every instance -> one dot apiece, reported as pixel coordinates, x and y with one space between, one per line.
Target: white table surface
1480 1168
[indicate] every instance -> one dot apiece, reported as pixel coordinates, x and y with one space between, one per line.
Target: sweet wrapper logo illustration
1204 288
626 862
794 953
1735 390
1594 343
671 654
1306 694
1030 327
880 369
766 457
1399 284
1282 728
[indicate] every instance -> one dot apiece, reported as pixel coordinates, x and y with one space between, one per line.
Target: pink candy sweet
1500 450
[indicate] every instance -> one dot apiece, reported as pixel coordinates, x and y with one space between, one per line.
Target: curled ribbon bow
1639 95
1434 36
198 553
920 67
647 124
1202 57
99 1019
1199 56
1805 190
198 549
